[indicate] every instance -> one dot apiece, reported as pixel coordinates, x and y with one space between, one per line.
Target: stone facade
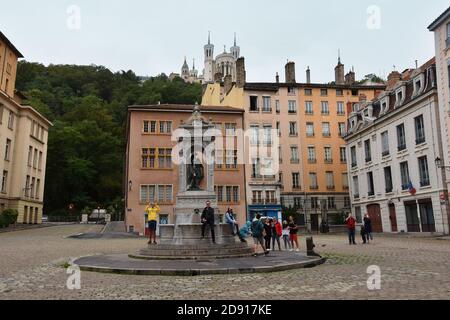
392 144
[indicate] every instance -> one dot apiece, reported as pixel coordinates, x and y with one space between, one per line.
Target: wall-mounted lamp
130 185
439 164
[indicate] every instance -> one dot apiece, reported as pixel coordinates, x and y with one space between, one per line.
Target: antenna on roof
417 64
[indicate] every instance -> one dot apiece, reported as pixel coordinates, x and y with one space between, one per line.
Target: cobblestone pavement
32 267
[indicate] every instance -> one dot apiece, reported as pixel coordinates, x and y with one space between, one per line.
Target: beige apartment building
441 29
311 120
23 144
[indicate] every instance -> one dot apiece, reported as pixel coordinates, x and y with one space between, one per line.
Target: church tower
235 50
185 70
209 61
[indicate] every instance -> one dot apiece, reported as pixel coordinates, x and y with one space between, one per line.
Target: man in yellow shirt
152 211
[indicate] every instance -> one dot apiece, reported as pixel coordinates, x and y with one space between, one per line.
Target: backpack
257 228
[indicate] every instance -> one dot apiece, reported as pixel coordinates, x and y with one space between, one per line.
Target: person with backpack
368 227
268 232
258 234
277 231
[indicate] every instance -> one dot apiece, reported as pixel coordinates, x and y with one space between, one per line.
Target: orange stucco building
151 175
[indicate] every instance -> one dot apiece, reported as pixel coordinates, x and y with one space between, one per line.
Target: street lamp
130 184
439 164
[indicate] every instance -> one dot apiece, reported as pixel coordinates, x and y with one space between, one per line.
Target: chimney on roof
228 83
218 77
277 78
308 75
393 78
290 72
240 72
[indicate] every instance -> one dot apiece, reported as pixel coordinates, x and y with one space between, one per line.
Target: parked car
44 219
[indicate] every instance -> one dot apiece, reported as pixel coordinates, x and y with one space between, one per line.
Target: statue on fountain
195 174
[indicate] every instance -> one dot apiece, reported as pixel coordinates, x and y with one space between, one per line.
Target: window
33 123
266 104
27 186
370 185
328 155
399 96
401 138
325 108
228 192
30 156
448 35
356 187
4 181
156 158
7 149
385 144
220 193
342 154
355 92
353 156
323 92
231 159
404 172
420 130
326 129
40 161
236 196
254 139
342 130
165 127
345 181
270 197
311 154
278 129
277 106
256 173
292 106
294 154
11 120
330 180
388 179
367 151
267 135
340 108
308 92
291 91
32 187
417 86
293 129
38 186
254 103
309 107
314 203
347 202
339 92
331 203
310 129
295 180
257 197
145 129
35 158
423 170
313 181
230 129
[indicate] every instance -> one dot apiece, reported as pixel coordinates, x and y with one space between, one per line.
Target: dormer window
400 95
356 107
418 84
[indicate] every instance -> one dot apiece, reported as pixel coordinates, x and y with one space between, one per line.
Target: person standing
268 230
363 234
368 227
208 219
152 211
245 231
257 231
285 233
293 230
277 231
351 223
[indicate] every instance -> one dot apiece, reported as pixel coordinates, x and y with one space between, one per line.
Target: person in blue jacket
245 231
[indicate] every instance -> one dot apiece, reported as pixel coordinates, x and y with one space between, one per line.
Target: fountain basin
191 234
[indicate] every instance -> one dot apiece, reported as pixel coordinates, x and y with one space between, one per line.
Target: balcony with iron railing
265 201
425 183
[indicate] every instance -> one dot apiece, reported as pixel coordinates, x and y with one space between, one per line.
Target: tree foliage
88 107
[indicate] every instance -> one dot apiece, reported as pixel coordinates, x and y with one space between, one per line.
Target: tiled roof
9 44
436 23
184 107
274 86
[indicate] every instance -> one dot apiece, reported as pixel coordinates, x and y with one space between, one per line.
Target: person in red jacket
351 223
277 231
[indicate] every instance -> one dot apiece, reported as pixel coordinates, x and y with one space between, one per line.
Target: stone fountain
183 240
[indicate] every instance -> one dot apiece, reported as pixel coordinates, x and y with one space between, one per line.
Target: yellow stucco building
311 120
23 144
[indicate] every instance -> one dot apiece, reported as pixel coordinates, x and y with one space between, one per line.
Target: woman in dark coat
268 230
368 227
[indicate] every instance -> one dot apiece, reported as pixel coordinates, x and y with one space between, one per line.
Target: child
363 234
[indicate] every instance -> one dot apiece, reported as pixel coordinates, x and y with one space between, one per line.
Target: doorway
393 217
374 212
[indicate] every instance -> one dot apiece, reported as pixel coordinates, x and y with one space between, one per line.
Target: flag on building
411 188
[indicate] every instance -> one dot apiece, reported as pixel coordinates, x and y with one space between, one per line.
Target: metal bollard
310 247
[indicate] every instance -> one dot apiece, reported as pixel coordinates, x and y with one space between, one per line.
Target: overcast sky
151 37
